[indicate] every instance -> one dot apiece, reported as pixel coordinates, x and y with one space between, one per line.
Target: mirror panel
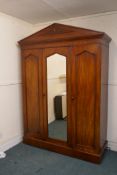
57 102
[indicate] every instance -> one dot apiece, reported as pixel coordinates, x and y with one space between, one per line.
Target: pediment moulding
58 32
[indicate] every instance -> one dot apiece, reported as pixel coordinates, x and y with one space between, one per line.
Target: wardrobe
69 62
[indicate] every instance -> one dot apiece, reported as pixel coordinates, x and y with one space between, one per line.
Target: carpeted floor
28 160
58 129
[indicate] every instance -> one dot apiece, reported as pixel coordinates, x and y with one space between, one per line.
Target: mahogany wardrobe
65 90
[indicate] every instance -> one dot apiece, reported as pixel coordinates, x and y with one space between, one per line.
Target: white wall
11 31
103 22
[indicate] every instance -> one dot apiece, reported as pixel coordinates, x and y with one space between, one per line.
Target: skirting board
112 145
11 143
51 120
16 140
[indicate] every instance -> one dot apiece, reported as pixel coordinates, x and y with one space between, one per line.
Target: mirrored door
57 97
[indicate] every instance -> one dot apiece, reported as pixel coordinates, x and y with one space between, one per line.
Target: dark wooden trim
64 149
59 32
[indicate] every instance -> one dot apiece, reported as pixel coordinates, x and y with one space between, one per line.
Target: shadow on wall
112 96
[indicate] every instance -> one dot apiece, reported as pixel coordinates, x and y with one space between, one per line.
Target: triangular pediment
57 32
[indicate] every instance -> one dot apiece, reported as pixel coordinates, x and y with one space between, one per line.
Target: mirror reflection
57 106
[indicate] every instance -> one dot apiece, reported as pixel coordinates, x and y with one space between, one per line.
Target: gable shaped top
58 32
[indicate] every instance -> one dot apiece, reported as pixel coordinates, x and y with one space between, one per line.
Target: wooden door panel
32 97
32 93
85 69
86 78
